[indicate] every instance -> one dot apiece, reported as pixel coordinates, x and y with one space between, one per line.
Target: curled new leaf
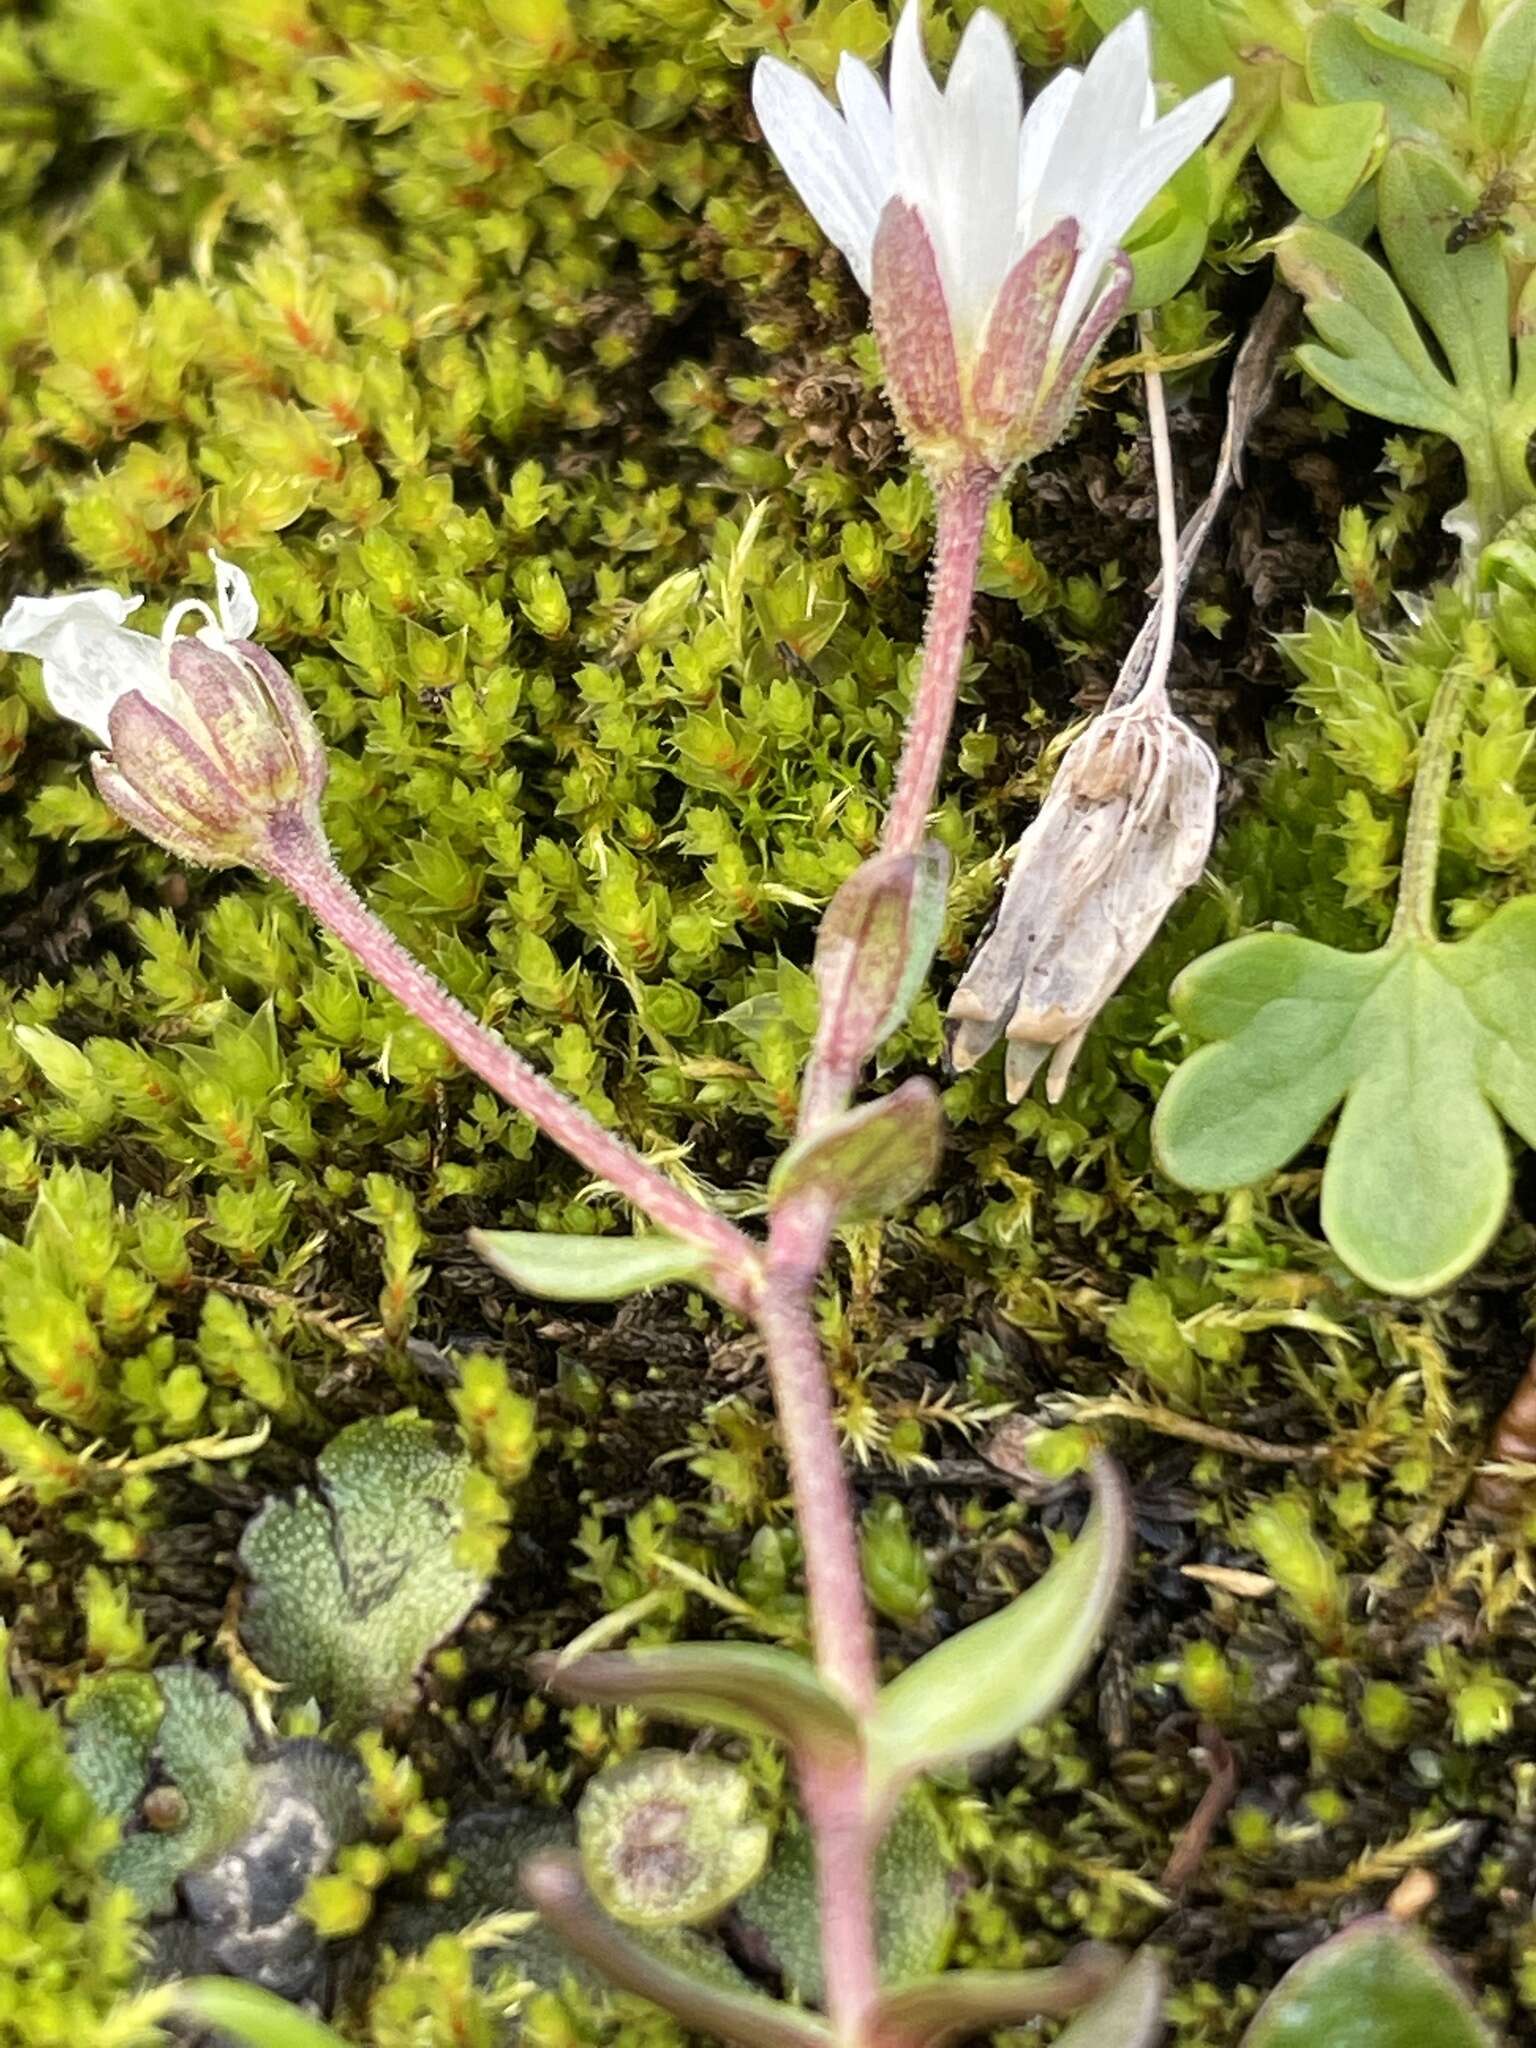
561 1267
982 1687
869 1161
749 1687
669 1840
1379 1984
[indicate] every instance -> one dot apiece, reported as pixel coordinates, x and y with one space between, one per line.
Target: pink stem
834 1791
962 518
300 860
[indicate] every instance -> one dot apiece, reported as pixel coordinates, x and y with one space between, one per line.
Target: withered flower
1123 833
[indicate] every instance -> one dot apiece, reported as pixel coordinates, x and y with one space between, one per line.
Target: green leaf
554 1883
914 1905
982 1687
252 2015
1372 355
354 1586
1129 2014
1321 156
1503 88
967 2003
1422 1042
1379 1984
177 1728
561 1267
869 1161
873 950
1168 240
1345 62
1463 295
749 1687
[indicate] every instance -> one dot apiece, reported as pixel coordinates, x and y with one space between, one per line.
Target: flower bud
211 748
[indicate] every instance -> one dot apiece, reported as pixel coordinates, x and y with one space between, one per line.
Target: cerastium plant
992 245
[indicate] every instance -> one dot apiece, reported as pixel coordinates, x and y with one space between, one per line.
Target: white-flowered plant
209 745
989 239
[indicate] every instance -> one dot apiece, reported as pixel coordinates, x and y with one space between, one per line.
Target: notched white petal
90 657
238 610
821 159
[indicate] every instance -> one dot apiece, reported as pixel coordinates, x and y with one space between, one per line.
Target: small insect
1488 218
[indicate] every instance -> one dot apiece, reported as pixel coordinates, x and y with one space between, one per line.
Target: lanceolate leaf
873 949
246 2013
554 1882
1379 1984
1129 2014
749 1687
1425 1044
561 1267
871 1160
978 1690
967 2004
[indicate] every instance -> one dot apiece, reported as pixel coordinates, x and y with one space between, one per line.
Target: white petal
920 131
238 612
868 114
821 159
1042 124
983 108
90 658
1132 184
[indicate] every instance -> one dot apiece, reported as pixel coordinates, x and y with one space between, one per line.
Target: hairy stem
962 517
304 864
1415 915
834 1792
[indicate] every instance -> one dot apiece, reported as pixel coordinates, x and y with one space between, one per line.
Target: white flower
210 745
90 657
1022 216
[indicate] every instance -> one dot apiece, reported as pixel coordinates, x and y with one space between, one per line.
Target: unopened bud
211 748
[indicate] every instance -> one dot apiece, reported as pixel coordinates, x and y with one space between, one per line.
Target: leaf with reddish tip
869 1161
874 947
553 1881
912 324
749 1687
1129 2014
982 1687
936 2011
1379 1984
